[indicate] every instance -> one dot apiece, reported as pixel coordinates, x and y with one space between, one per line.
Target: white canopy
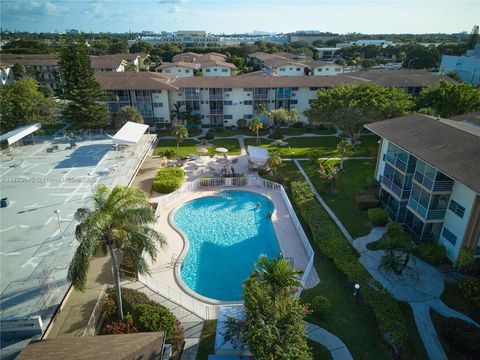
130 133
19 133
257 154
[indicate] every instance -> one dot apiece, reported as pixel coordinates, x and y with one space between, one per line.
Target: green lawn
207 340
356 176
189 146
300 131
368 146
168 132
299 147
233 132
452 296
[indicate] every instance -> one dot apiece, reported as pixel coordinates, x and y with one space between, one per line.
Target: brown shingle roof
31 59
316 63
135 80
107 61
217 63
106 347
472 118
450 149
401 78
187 65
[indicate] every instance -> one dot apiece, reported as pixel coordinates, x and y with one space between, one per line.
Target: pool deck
165 267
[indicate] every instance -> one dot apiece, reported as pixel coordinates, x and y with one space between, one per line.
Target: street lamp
59 224
356 291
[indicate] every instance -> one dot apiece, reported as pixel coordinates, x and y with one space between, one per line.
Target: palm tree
277 273
273 161
261 109
177 114
344 148
255 126
121 218
181 133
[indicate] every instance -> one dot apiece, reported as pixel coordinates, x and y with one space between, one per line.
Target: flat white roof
130 133
19 133
257 153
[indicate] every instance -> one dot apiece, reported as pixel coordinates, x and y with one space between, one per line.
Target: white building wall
289 70
326 70
454 223
468 68
161 106
216 70
381 163
304 95
180 71
6 76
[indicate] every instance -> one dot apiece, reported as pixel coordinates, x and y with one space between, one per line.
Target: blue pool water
226 235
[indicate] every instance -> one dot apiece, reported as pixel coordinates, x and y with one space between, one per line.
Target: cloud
31 8
175 10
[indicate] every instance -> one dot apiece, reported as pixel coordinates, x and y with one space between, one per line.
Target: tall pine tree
80 88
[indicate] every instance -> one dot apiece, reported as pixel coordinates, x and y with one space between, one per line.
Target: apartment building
44 67
429 175
279 64
467 66
221 101
189 63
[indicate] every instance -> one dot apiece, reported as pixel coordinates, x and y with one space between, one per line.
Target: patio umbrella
221 150
201 150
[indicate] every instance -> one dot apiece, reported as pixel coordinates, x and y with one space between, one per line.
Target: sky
240 16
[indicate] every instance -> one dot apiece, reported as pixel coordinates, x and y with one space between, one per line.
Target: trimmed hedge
459 335
154 318
330 241
168 180
432 252
378 216
321 305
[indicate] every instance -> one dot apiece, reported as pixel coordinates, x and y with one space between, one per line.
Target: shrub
120 327
394 227
241 123
209 136
389 316
366 200
169 154
154 318
130 298
378 216
276 135
432 252
321 305
109 308
459 334
177 338
470 289
168 180
298 125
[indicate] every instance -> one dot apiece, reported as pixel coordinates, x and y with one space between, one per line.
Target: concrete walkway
420 283
336 346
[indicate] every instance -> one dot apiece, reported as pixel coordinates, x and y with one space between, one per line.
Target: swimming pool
226 236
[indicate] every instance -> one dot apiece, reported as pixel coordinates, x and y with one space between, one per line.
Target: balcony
439 186
397 190
399 164
216 111
215 96
426 235
427 215
260 96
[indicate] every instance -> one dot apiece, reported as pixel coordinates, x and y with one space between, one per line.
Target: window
156 91
293 102
187 71
311 101
326 69
215 69
313 88
282 69
248 102
248 116
319 69
247 89
447 234
298 69
207 70
291 68
158 105
456 208
224 70
338 69
227 102
227 89
228 117
294 88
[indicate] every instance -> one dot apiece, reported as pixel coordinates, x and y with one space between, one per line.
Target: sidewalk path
336 346
420 283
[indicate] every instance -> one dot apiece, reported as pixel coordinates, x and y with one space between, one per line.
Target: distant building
467 66
186 64
72 31
6 70
430 179
311 36
327 53
380 42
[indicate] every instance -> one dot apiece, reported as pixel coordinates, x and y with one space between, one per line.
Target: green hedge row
168 180
332 244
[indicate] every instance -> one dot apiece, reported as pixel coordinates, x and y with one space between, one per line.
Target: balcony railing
441 186
432 214
425 236
397 190
260 96
399 164
216 111
215 96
